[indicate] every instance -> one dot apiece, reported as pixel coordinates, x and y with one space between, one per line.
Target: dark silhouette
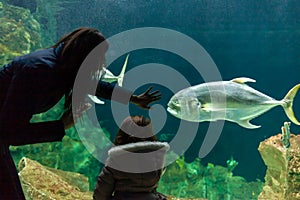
33 83
115 181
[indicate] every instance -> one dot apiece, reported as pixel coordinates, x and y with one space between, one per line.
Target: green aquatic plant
231 164
180 163
286 134
211 182
285 139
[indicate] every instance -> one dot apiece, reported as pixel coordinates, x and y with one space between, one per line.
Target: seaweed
211 182
286 134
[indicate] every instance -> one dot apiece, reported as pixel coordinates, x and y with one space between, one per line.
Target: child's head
135 129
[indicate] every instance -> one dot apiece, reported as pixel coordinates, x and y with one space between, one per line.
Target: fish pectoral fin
247 124
242 80
205 109
209 108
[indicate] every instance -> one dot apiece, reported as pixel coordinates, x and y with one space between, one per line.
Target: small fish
107 76
232 100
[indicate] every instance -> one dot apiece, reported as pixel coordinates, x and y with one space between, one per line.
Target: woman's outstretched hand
143 100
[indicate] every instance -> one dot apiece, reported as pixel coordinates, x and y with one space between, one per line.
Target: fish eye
175 101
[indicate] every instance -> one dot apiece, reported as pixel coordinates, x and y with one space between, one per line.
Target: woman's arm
16 112
113 92
119 94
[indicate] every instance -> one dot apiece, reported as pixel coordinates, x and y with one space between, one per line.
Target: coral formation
19 32
283 168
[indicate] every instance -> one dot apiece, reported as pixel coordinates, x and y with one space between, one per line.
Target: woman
127 176
33 83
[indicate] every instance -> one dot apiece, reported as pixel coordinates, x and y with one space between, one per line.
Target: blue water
258 39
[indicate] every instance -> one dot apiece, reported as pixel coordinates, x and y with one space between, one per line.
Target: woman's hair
76 46
135 129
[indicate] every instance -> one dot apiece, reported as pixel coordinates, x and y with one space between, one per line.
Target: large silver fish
107 76
232 100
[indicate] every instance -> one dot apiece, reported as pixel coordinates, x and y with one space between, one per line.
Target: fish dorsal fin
243 80
247 124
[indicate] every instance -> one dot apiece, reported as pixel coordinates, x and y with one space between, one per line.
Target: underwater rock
57 155
40 182
19 32
282 180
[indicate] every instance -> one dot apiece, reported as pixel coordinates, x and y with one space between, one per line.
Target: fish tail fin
121 75
288 104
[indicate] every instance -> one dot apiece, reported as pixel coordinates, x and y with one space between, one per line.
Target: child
134 166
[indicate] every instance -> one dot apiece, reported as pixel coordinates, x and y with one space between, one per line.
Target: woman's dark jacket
32 84
127 175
